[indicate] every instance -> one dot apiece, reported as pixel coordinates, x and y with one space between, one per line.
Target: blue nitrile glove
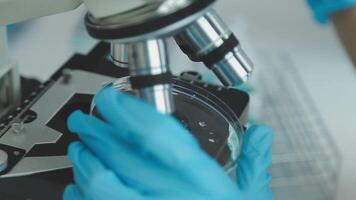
141 154
323 8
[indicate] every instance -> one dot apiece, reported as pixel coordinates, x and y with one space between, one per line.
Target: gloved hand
323 8
140 154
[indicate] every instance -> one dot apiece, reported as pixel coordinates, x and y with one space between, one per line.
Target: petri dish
208 118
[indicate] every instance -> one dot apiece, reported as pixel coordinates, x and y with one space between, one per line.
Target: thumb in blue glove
253 178
139 153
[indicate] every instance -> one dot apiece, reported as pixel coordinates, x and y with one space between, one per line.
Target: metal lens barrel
148 66
210 41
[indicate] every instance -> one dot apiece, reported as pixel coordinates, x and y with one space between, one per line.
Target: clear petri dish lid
208 118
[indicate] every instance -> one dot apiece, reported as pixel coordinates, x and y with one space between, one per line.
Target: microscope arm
13 11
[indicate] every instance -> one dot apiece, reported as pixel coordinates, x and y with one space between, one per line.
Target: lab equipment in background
306 160
35 136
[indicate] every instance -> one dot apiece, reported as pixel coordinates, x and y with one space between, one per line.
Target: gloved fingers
256 152
255 159
252 169
157 134
82 124
92 177
256 178
257 141
139 117
102 140
155 154
84 165
72 193
322 9
126 160
106 185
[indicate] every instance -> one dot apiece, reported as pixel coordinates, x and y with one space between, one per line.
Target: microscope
132 57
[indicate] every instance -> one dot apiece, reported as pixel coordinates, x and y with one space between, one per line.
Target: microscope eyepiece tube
150 77
210 41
